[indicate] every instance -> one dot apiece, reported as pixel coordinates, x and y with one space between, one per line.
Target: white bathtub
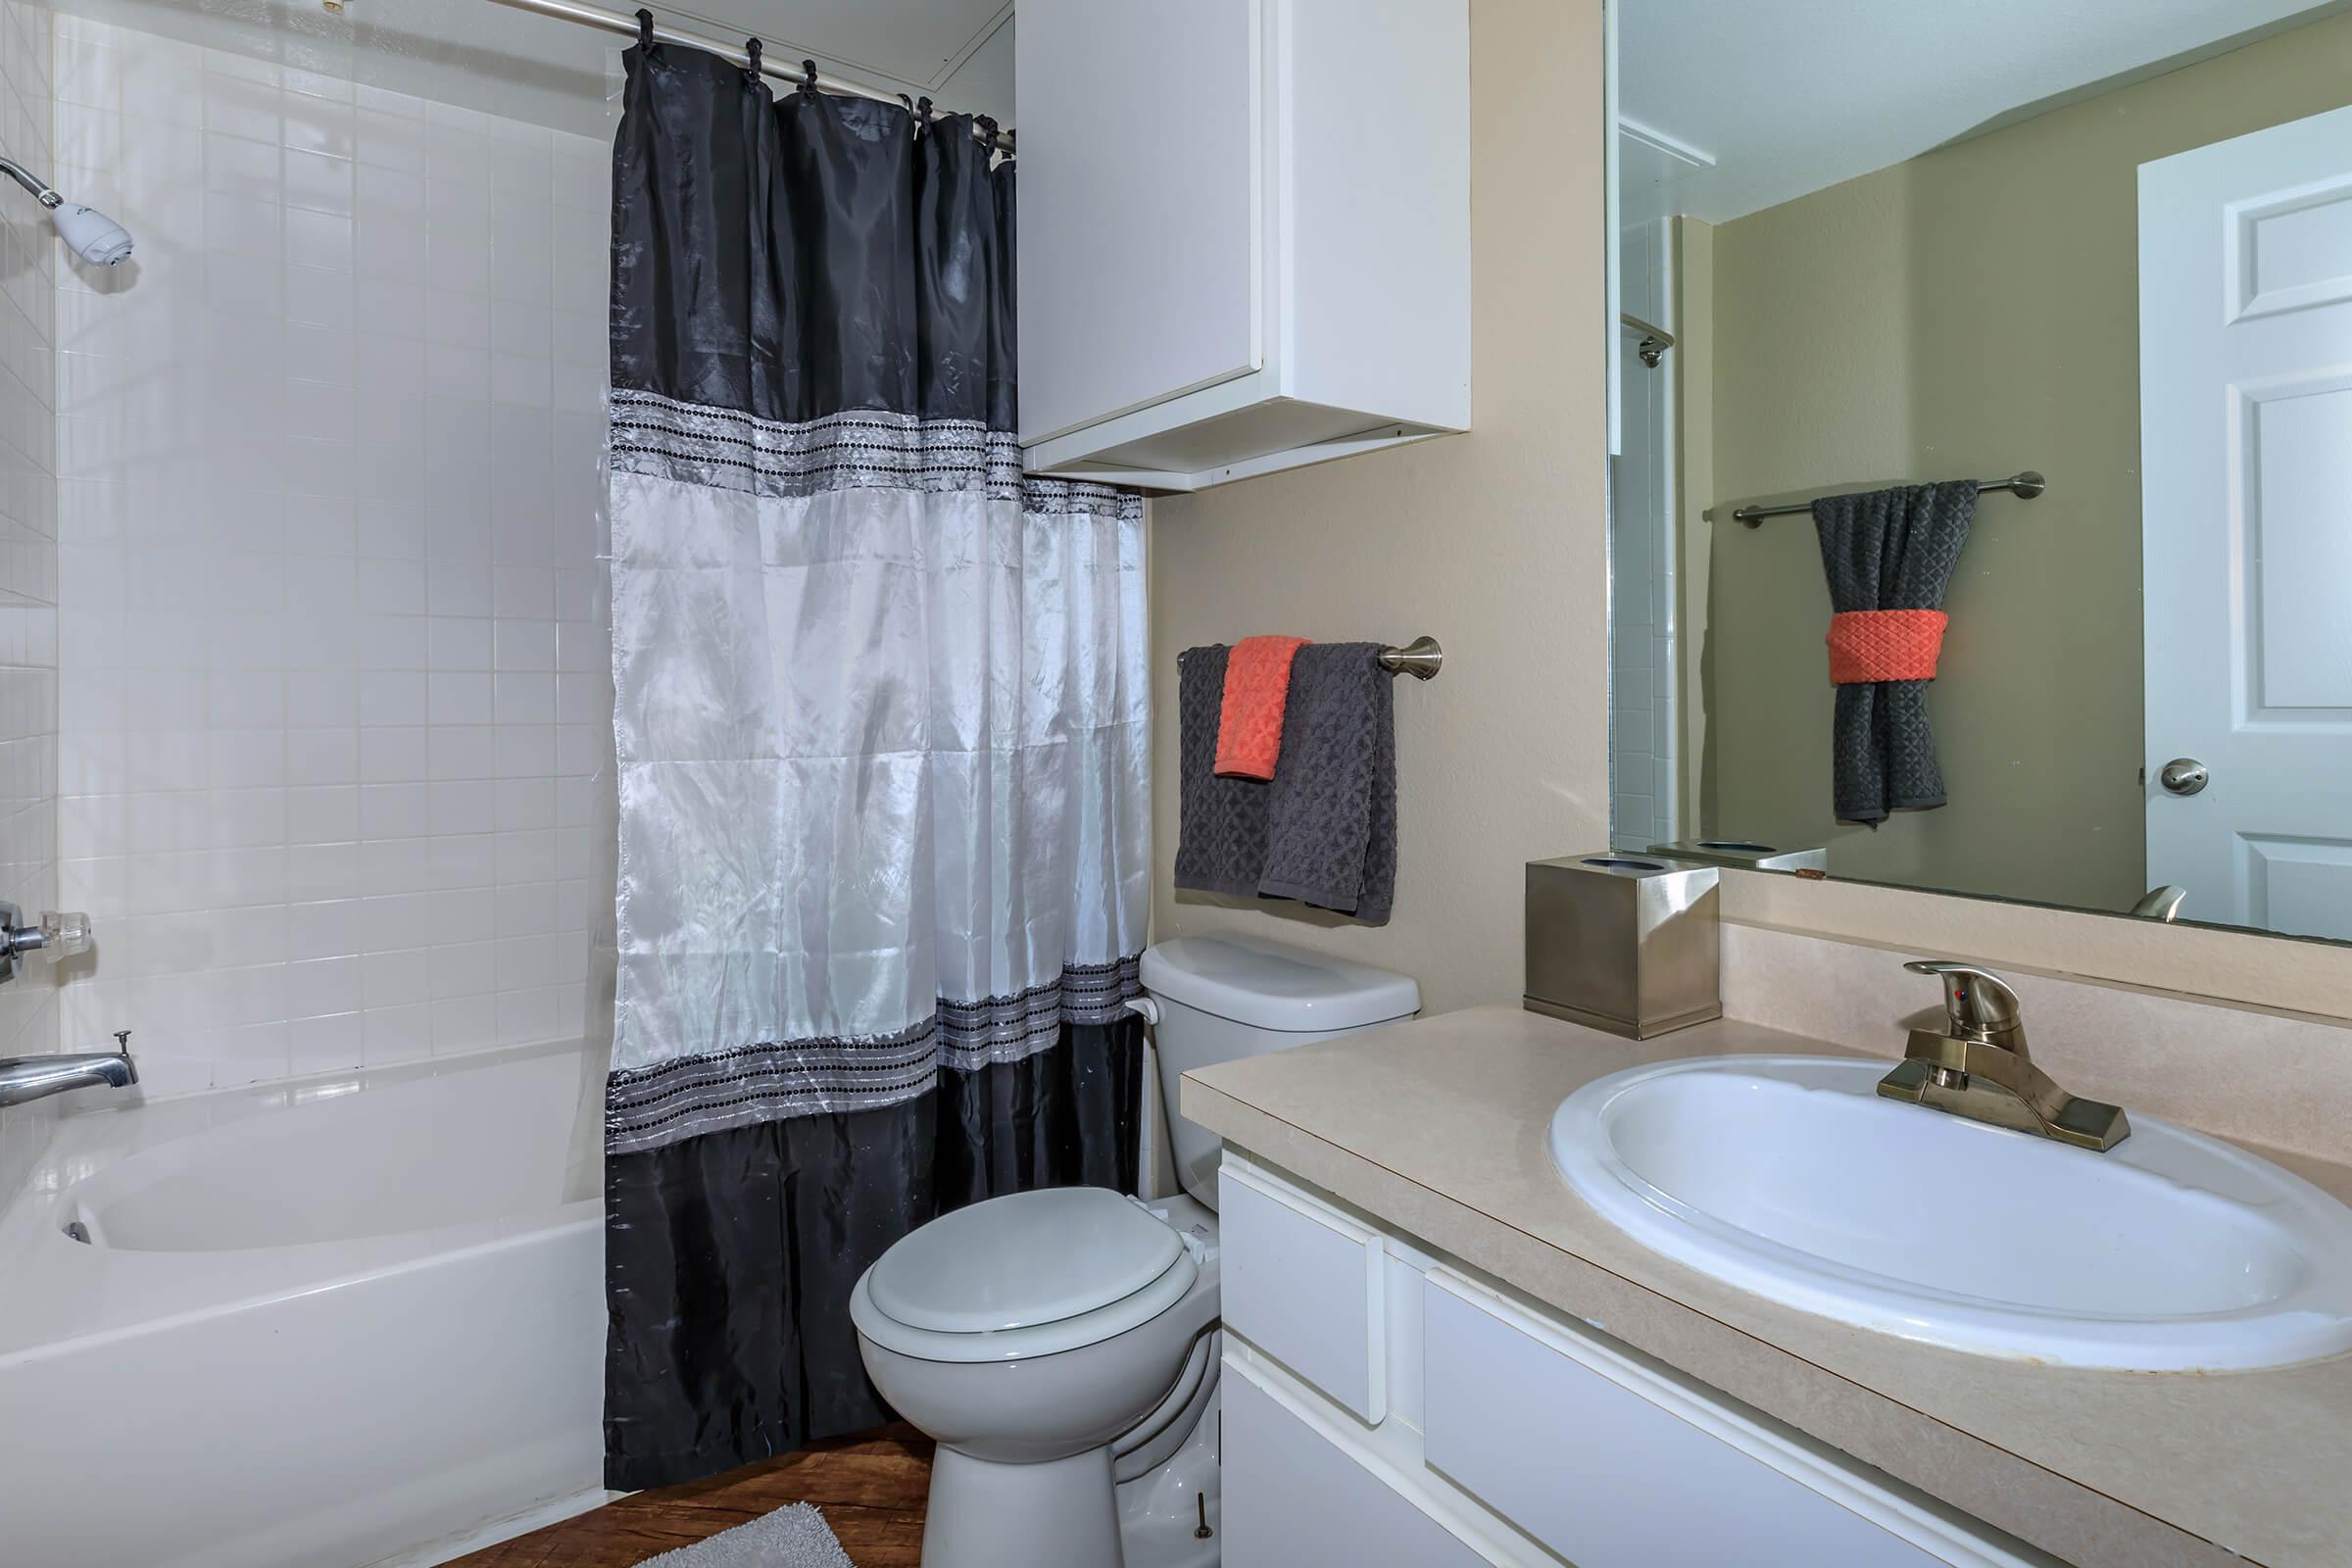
319 1326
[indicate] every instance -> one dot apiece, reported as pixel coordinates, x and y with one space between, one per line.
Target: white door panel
2246 447
2289 250
2297 884
2300 468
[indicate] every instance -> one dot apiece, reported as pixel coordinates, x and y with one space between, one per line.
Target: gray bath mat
797 1536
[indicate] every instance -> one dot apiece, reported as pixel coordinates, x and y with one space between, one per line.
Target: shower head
95 237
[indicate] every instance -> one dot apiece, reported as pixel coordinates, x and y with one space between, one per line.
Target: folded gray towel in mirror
1888 550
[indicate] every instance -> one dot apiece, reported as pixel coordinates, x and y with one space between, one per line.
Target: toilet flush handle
1145 1009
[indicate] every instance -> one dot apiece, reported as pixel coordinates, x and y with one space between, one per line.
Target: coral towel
1257 688
1867 646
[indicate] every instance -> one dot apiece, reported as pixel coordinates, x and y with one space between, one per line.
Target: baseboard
538 1516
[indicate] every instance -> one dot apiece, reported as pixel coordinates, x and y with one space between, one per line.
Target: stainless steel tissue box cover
1624 943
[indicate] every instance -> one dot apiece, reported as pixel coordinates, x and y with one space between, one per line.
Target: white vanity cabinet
1244 232
1386 1409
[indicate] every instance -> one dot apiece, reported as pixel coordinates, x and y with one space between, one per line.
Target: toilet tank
1222 996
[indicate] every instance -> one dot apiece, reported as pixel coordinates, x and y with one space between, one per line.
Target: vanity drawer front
1292 1497
1302 1282
1551 1433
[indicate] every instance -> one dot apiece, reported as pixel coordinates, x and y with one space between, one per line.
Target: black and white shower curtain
881 712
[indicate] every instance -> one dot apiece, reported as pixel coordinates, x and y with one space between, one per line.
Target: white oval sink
1790 1177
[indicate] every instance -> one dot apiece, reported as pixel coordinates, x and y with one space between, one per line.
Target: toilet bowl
1035 1331
1061 1346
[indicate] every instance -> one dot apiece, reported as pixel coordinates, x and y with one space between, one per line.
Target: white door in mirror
2246 447
1790 1177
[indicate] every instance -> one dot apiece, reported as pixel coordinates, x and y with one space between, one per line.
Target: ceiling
483 56
1769 99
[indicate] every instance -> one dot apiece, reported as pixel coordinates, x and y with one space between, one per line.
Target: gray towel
1331 822
1890 550
1324 831
1221 822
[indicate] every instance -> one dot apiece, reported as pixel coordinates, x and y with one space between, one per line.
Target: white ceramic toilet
1059 1345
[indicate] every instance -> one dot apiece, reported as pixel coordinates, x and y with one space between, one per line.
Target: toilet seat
1031 1274
1016 1261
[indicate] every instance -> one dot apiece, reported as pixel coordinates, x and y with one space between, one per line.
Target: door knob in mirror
2183 775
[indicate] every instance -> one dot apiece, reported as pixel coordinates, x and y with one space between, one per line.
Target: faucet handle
59 935
65 933
1975 1002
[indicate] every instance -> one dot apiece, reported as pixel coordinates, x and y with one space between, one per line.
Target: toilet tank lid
1271 985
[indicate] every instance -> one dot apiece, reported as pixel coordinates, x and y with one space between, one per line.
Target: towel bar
2025 485
1418 659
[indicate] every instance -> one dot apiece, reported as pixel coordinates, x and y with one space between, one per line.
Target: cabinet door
1293 1499
1304 1283
1140 211
1607 1476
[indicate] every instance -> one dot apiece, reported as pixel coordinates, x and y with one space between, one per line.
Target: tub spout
24 1078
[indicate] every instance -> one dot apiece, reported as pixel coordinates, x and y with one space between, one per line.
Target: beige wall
1494 542
1969 312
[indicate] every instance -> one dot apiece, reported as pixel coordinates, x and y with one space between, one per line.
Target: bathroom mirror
2099 260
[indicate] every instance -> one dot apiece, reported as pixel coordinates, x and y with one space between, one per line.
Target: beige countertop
1437 1127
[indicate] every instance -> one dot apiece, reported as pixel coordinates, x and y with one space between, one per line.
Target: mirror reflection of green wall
1968 312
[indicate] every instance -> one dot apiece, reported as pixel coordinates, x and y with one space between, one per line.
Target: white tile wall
336 701
30 259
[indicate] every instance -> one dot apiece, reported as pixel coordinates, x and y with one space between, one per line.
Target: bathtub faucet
24 1078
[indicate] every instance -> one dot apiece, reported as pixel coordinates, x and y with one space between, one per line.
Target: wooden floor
871 1488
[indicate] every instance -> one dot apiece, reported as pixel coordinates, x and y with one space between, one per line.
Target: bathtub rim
65 1295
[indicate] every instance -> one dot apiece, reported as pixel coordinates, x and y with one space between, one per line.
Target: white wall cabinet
1245 234
1514 1435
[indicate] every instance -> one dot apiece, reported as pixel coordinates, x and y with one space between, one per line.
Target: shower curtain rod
588 16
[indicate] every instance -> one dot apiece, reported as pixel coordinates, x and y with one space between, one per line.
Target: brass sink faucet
1978 1066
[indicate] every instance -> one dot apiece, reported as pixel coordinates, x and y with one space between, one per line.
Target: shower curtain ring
809 76
645 30
922 117
750 48
984 132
